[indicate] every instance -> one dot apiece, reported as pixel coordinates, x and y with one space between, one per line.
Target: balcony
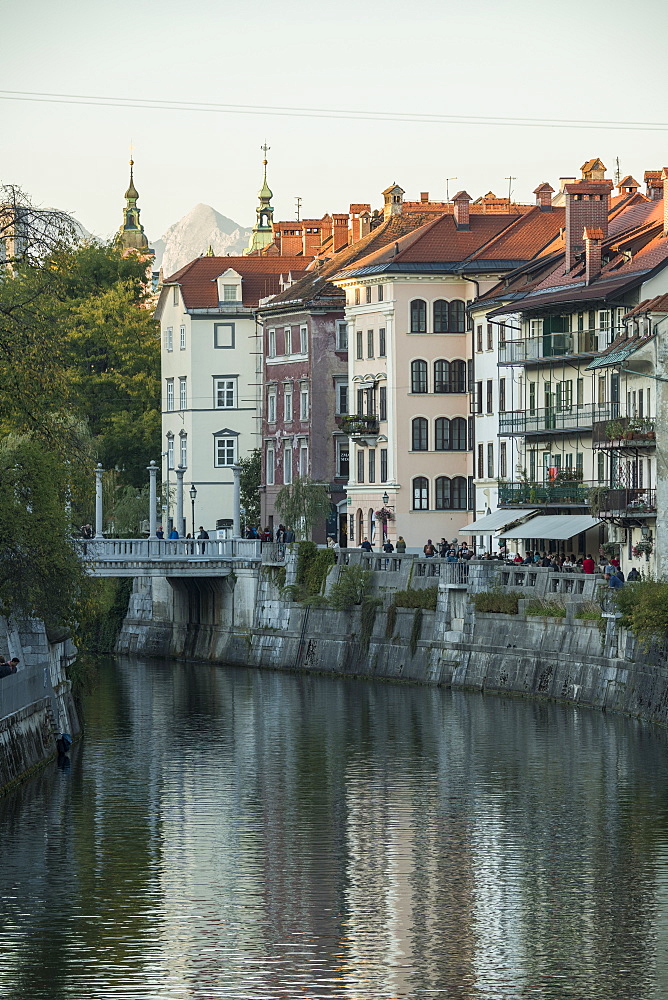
568 491
362 429
624 432
554 420
613 502
553 345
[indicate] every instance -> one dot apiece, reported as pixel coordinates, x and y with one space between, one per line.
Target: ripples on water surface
238 834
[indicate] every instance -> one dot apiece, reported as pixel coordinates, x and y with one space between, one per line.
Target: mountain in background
202 227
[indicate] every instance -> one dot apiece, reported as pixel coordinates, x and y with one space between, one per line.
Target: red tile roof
260 277
658 304
525 237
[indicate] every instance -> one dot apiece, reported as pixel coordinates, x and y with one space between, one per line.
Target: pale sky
577 60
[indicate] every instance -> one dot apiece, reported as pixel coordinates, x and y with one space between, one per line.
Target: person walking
429 549
401 546
366 545
588 565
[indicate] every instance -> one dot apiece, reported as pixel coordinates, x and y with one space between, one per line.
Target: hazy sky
577 60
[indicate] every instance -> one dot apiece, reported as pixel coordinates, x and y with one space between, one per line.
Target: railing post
180 520
153 499
98 500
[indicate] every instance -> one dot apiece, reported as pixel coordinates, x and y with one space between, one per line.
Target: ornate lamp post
193 497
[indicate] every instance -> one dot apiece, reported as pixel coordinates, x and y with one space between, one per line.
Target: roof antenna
618 172
447 187
510 184
298 202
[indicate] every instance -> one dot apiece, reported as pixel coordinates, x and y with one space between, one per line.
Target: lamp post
386 498
180 520
193 497
98 500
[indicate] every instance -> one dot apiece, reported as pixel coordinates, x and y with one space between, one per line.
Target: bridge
178 557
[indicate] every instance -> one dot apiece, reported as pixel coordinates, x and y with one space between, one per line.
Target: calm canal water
239 834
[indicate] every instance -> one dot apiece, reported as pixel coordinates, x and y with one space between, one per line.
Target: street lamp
193 497
386 498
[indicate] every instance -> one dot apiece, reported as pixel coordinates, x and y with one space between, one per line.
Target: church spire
263 230
131 233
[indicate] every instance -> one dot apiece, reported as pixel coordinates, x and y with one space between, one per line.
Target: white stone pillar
153 499
236 502
98 500
180 522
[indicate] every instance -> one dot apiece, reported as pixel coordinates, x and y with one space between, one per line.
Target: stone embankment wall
35 703
579 661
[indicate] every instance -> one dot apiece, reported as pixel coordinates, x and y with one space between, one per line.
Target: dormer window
229 286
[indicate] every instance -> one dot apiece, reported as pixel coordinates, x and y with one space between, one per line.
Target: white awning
557 526
493 521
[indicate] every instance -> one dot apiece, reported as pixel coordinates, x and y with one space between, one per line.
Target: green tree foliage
644 607
313 565
250 479
302 505
351 588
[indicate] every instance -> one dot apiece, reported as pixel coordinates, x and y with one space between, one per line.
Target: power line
326 113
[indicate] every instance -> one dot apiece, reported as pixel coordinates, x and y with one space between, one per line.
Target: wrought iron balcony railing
624 432
554 345
555 419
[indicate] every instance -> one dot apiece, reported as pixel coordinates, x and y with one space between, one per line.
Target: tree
302 505
250 479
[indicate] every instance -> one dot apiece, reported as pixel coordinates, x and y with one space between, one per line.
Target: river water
244 834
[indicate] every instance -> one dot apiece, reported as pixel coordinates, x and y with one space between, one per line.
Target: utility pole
447 187
510 184
298 201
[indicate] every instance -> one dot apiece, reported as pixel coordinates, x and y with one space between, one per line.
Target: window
441 316
481 466
169 339
183 457
369 341
451 494
357 296
272 344
382 414
287 404
458 493
360 465
457 316
418 309
271 407
565 395
601 389
342 398
343 459
224 393
303 403
490 461
287 465
469 376
367 295
270 465
287 336
223 335
441 376
303 459
478 397
419 434
443 499
383 462
175 296
381 293
360 402
183 393
303 340
230 293
490 394
360 350
478 337
418 376
532 465
458 376
532 398
170 394
382 351
341 336
502 395
502 333
503 460
372 465
490 337
225 451
182 338
600 459
458 434
535 328
420 493
170 452
442 434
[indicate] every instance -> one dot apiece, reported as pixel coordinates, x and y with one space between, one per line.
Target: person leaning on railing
9 666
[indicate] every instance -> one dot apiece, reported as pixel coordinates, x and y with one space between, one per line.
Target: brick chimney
544 194
356 213
587 204
593 239
654 185
628 185
424 197
339 231
461 209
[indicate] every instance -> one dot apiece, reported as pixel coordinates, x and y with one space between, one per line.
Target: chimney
424 197
593 238
664 178
544 194
394 200
587 204
339 231
365 224
654 185
628 185
461 209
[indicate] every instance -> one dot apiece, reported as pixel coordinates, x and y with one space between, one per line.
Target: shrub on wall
644 608
497 601
351 588
425 598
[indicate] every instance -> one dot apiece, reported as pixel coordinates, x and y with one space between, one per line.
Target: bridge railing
167 548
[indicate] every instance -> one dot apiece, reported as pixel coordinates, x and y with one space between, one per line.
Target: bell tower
131 234
263 230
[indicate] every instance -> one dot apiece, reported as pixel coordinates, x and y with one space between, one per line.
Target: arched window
441 316
458 376
457 316
458 493
420 493
420 434
442 434
442 493
418 376
458 434
441 376
418 316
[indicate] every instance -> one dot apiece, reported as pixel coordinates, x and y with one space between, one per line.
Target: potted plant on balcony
597 497
614 430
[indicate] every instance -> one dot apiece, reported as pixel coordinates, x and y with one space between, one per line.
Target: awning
494 520
555 526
